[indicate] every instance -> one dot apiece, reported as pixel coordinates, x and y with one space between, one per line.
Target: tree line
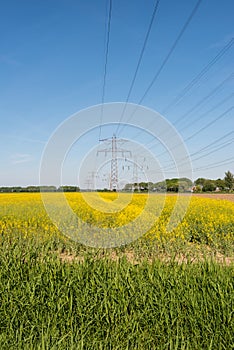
185 185
19 189
208 185
169 185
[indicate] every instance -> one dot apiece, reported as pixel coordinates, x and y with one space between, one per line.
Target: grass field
167 290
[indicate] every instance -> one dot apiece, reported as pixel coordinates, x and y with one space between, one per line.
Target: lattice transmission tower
113 148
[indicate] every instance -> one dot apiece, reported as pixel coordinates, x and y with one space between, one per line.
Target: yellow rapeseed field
198 220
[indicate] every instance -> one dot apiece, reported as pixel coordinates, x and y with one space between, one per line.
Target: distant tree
197 189
32 189
185 184
209 186
150 186
160 186
48 189
172 185
220 184
106 190
200 181
229 180
143 186
128 187
68 189
6 189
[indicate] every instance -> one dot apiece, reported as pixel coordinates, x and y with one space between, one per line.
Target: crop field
226 196
170 287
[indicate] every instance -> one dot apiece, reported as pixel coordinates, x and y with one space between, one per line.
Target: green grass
104 304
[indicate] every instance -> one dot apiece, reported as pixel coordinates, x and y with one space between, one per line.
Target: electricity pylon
136 168
112 147
135 176
93 176
88 182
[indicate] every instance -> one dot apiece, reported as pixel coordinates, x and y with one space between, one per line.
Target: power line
203 128
208 166
105 64
197 119
215 90
209 111
206 154
167 56
209 146
204 99
194 81
209 124
216 164
213 143
171 50
139 60
215 150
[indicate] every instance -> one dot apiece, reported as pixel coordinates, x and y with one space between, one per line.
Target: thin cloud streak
20 158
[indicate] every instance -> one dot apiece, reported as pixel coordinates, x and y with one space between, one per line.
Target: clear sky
52 56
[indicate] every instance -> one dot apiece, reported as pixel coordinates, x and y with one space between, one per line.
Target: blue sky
52 62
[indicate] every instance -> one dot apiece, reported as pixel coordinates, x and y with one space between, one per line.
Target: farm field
226 196
172 288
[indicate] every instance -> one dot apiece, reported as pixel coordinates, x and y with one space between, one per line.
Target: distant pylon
93 176
114 150
136 168
114 166
88 182
135 176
